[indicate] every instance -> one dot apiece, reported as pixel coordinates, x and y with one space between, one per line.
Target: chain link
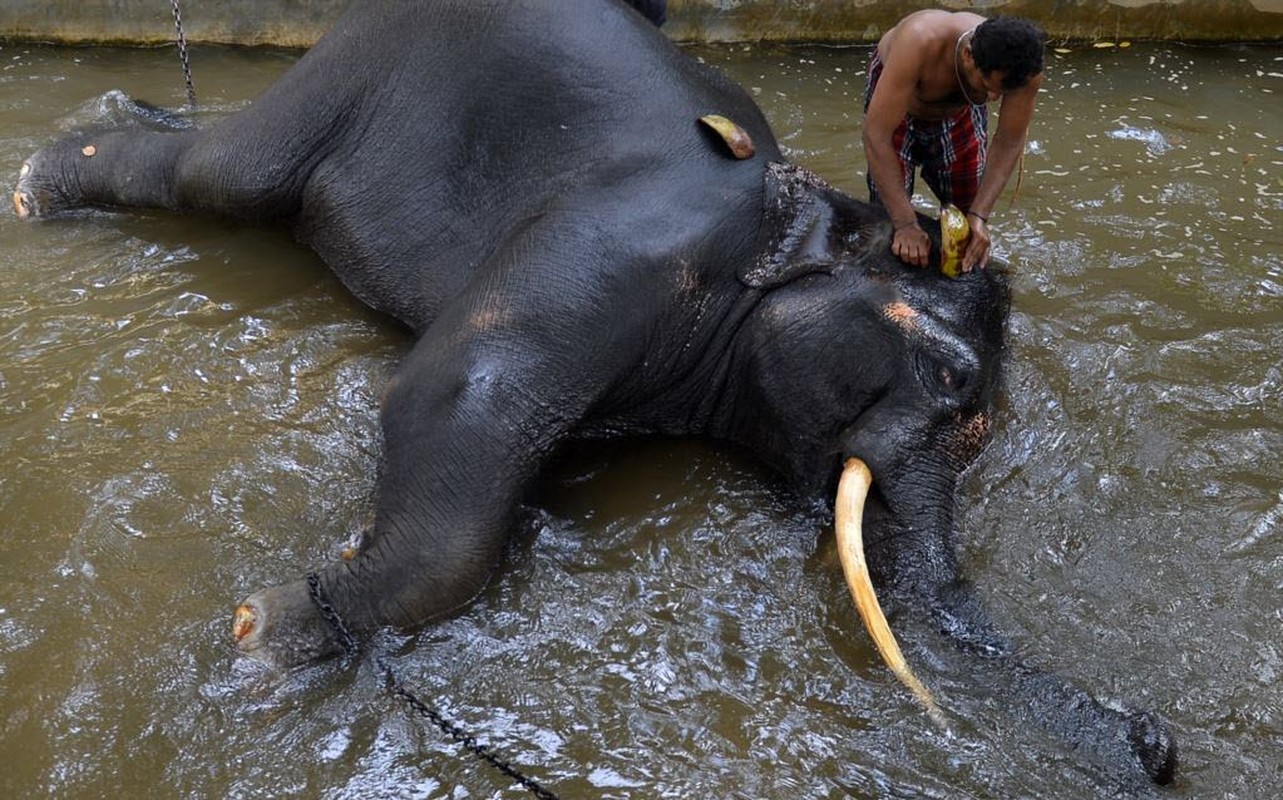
346 640
458 734
182 56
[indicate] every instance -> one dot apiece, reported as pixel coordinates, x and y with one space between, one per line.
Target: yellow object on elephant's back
736 138
954 233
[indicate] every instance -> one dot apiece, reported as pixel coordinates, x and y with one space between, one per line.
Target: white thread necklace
957 68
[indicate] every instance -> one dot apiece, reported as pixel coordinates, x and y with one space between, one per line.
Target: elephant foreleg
470 418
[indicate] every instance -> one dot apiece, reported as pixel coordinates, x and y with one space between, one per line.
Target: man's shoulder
932 26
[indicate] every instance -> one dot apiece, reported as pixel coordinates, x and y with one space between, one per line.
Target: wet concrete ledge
298 23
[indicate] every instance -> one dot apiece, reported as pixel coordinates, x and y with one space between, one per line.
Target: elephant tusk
853 488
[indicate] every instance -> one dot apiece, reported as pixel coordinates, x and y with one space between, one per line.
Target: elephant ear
800 232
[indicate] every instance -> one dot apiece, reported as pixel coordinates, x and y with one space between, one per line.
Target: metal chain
328 613
458 734
182 56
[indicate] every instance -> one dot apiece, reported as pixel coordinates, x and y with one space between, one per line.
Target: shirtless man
930 81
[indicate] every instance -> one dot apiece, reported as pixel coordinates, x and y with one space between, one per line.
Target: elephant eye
948 381
951 379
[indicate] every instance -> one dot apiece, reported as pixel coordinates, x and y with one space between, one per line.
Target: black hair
654 10
1010 45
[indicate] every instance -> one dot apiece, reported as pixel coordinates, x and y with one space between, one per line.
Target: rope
183 57
348 643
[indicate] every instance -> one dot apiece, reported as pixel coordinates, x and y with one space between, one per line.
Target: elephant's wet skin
577 255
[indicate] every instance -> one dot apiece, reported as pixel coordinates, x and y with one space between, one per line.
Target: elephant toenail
88 150
243 622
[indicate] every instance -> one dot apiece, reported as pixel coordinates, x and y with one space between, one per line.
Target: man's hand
912 245
977 252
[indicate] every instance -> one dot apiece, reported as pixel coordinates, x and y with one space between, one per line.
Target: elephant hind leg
239 168
90 169
123 168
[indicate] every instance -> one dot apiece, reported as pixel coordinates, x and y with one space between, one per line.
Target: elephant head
875 383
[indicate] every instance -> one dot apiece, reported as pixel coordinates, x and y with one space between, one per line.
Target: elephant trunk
1111 735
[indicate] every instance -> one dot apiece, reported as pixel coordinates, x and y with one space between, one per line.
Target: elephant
589 234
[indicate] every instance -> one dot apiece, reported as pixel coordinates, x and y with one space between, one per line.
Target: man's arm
887 109
1014 116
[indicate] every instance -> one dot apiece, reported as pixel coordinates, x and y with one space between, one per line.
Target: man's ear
807 225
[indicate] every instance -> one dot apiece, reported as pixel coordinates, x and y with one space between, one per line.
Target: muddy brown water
187 413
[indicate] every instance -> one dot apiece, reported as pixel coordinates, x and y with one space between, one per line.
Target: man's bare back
926 44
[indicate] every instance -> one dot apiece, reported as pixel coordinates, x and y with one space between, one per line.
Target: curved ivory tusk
849 511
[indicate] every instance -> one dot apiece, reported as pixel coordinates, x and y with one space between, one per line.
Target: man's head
1010 45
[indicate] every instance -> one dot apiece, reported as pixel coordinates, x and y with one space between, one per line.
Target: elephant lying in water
530 189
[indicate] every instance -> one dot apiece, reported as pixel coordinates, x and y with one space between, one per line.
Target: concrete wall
1064 20
298 23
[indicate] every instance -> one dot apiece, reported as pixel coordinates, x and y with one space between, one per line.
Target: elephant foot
44 180
24 200
1153 744
283 627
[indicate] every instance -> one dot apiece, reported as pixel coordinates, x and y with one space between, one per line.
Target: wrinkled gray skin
525 186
